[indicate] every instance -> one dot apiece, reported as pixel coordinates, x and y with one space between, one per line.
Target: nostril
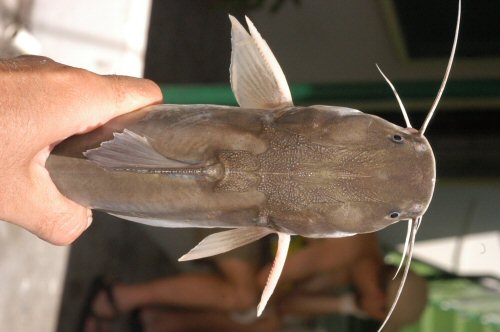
397 138
394 215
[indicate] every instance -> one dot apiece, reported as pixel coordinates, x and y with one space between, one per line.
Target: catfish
264 167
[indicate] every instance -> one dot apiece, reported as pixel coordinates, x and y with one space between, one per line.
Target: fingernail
89 217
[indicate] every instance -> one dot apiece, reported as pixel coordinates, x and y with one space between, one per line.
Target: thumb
102 98
126 94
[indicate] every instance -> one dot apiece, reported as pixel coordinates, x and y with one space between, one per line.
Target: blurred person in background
225 297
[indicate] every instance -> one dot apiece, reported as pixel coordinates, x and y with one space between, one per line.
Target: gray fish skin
312 171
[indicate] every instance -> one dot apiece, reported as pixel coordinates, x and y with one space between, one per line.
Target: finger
64 101
50 216
106 98
131 93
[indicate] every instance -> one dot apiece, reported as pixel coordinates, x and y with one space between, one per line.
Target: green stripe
334 92
198 94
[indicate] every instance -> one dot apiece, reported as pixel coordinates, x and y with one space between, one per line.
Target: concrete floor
30 281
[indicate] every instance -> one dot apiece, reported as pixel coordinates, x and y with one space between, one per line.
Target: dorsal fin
256 76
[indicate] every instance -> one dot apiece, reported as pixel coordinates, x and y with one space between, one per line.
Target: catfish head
363 174
408 183
395 174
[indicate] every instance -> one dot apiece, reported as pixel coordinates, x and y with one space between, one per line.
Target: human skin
42 103
232 289
327 263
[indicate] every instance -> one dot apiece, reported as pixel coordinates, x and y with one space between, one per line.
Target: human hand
44 102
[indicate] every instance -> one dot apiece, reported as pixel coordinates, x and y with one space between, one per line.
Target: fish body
318 171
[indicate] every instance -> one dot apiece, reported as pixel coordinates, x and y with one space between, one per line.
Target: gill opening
406 260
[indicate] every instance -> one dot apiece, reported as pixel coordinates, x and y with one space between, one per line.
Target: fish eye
396 138
394 215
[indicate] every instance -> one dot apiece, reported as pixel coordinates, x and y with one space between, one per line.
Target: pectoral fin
221 242
256 76
128 150
274 275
